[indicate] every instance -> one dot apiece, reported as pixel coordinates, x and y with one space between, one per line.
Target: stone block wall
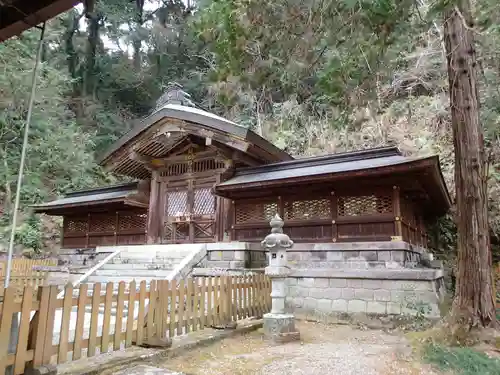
357 255
235 255
410 292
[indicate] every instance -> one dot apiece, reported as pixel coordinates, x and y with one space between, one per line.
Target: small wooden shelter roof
120 195
159 133
371 163
18 15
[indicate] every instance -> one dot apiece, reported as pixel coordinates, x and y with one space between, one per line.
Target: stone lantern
278 325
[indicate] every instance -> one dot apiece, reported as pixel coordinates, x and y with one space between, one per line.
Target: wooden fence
24 273
21 266
105 321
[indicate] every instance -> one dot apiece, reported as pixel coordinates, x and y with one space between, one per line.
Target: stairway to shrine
141 262
147 262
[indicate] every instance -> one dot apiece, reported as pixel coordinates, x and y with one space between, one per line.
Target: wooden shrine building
202 178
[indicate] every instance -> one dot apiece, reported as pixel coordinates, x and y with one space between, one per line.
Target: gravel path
323 350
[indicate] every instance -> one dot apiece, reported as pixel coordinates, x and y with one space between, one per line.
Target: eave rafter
149 162
177 137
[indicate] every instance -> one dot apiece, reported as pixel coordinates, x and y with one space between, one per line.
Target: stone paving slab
146 370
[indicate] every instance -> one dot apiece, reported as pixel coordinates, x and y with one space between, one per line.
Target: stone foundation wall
234 255
357 255
409 292
211 272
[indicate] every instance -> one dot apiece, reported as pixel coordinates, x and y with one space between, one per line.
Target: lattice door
189 213
204 225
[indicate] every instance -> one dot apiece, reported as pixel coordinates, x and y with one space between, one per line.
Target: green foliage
29 234
312 77
463 361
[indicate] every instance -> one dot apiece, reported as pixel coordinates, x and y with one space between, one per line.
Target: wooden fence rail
86 323
24 273
22 266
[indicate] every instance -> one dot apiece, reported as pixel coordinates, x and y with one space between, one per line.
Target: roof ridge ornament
174 94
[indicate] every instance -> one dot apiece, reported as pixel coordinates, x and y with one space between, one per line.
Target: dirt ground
323 350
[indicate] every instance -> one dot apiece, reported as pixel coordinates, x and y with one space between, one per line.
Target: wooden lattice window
256 212
207 165
132 221
177 201
176 169
364 205
76 224
308 209
204 202
184 167
102 223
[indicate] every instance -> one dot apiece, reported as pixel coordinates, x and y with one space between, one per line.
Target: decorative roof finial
277 238
174 94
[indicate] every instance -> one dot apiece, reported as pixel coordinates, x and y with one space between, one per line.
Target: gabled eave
178 119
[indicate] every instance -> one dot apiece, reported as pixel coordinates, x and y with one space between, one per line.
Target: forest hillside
313 77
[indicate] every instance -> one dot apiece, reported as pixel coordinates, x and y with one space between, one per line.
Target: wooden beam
235 155
148 162
169 140
179 147
154 210
229 140
245 159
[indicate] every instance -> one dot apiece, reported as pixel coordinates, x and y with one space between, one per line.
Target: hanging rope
23 157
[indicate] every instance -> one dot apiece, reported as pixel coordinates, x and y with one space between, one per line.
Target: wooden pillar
233 220
220 214
87 240
396 201
281 208
334 210
226 213
116 228
154 210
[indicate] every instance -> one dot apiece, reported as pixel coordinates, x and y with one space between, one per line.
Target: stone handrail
92 270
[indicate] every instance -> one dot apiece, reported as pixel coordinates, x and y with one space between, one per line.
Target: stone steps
116 279
137 274
136 266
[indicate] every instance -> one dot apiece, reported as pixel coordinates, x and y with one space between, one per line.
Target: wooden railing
106 321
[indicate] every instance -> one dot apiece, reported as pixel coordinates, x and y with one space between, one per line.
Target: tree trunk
474 304
89 77
137 36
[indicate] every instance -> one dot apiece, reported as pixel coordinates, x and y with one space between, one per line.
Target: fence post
157 340
39 330
225 305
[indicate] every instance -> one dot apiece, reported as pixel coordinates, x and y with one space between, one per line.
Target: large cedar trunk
474 303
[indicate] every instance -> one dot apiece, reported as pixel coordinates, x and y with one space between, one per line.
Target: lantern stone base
280 328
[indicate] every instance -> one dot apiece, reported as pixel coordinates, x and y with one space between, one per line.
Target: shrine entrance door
190 211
